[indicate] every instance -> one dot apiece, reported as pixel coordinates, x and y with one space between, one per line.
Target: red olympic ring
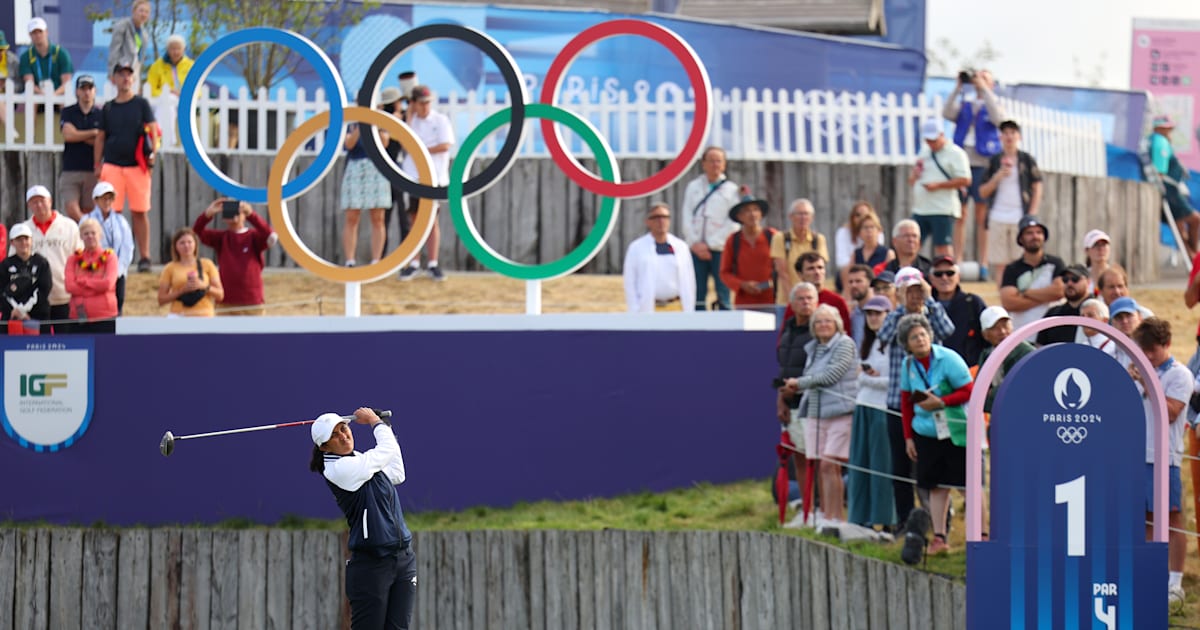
697 75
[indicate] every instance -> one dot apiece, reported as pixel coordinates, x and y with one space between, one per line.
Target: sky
1038 40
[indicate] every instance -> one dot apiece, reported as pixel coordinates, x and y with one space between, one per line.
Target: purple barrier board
484 418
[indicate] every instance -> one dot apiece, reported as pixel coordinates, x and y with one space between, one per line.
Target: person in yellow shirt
787 246
170 70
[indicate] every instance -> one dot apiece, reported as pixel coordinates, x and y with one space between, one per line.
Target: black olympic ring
1072 435
516 89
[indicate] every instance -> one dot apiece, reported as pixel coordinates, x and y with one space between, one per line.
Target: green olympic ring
606 218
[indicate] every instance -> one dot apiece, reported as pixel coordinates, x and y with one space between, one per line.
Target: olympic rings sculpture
458 189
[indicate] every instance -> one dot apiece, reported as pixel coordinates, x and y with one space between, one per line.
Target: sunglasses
947 273
1072 277
659 216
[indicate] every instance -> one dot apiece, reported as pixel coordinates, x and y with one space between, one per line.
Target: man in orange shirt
746 266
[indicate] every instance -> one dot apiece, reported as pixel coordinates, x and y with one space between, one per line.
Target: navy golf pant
382 589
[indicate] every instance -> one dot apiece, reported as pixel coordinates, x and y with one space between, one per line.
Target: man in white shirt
1013 182
55 237
942 168
434 130
706 224
658 268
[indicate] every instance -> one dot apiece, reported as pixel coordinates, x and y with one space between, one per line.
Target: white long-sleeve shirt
350 473
644 279
56 246
706 217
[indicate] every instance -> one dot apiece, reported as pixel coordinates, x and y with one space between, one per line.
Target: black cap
1076 269
85 79
1029 221
746 201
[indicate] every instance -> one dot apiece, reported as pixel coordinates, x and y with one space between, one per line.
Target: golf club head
167 445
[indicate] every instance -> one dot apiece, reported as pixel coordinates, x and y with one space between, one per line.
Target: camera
966 76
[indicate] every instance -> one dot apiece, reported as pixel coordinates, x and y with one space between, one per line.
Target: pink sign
1166 63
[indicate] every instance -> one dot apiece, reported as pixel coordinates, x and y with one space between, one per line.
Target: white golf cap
907 277
103 188
37 191
36 24
991 315
931 129
1095 236
19 230
324 426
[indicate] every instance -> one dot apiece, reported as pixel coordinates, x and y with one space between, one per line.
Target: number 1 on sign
1072 493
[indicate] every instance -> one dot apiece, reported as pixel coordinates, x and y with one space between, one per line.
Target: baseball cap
390 95
1123 305
878 303
1163 121
85 79
1095 236
943 259
37 24
991 315
123 64
422 94
931 129
37 191
1076 269
324 426
884 277
907 277
3 40
103 188
19 230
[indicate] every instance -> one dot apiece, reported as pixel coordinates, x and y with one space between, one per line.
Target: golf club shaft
266 427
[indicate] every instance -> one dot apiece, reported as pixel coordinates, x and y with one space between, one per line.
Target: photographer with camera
975 112
239 249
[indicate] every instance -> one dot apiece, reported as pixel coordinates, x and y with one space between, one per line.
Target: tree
946 59
261 65
265 65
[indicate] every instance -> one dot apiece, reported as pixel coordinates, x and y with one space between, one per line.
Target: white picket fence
814 126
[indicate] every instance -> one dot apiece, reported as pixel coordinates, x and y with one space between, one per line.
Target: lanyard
920 369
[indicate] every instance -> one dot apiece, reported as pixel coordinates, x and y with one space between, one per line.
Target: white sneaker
1175 598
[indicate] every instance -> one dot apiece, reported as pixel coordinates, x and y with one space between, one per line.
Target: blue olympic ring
334 89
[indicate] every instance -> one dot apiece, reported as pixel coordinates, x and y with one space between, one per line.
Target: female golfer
381 577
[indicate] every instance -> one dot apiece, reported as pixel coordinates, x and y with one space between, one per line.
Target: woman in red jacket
91 279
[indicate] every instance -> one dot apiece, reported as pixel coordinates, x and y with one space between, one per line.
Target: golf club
167 445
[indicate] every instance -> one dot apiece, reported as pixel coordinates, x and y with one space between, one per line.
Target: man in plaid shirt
916 297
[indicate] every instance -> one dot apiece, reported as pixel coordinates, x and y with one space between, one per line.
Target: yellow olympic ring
277 207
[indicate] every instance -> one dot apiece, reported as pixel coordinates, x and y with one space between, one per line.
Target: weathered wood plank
195 578
517 589
920 604
839 575
495 579
164 578
858 594
781 582
252 579
478 588
99 579
278 591
33 576
731 582
66 577
942 598
897 598
304 580
589 580
133 579
818 573
608 568
679 580
537 580
8 560
328 578
801 583
877 587
223 611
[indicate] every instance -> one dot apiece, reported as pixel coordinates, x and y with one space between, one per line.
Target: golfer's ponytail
317 462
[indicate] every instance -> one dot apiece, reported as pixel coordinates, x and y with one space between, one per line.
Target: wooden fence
535 214
63 579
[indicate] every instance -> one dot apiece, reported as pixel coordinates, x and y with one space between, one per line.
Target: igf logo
41 385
